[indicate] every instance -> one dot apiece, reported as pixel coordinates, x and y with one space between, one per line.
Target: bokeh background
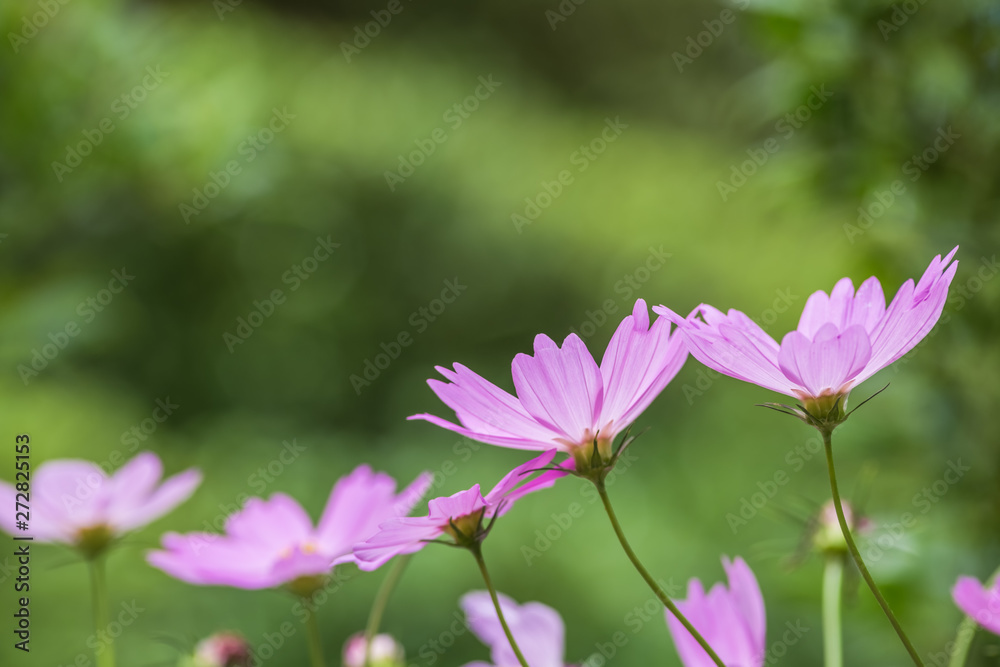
741 154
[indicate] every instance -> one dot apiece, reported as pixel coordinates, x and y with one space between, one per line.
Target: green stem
827 442
476 550
315 640
655 587
99 586
963 641
381 601
833 576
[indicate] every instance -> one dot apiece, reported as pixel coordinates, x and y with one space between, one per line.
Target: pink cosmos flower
730 619
75 502
273 542
979 602
564 399
842 339
537 629
460 515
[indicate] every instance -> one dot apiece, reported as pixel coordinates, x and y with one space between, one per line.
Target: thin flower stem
478 553
315 640
828 443
381 601
655 587
963 641
833 577
99 586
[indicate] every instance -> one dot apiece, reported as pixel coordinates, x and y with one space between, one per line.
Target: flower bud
385 652
828 535
223 649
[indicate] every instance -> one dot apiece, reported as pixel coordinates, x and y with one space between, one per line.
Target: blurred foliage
187 90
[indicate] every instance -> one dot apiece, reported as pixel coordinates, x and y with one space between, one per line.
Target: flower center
93 540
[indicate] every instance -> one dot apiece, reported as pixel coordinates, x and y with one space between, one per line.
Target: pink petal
396 537
456 505
821 309
502 441
734 345
747 599
912 314
827 363
638 363
502 497
561 388
277 521
174 491
979 603
69 494
537 628
206 559
360 502
730 620
485 408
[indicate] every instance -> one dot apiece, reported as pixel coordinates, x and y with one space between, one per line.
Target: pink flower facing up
842 339
273 542
76 503
564 399
982 604
730 619
461 516
537 629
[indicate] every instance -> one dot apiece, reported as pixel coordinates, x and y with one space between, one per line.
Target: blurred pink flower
982 604
731 620
75 502
273 542
461 515
564 399
537 629
842 339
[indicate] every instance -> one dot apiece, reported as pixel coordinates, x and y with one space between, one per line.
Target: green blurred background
750 140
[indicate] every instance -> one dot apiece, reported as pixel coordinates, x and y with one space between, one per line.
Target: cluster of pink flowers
565 405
